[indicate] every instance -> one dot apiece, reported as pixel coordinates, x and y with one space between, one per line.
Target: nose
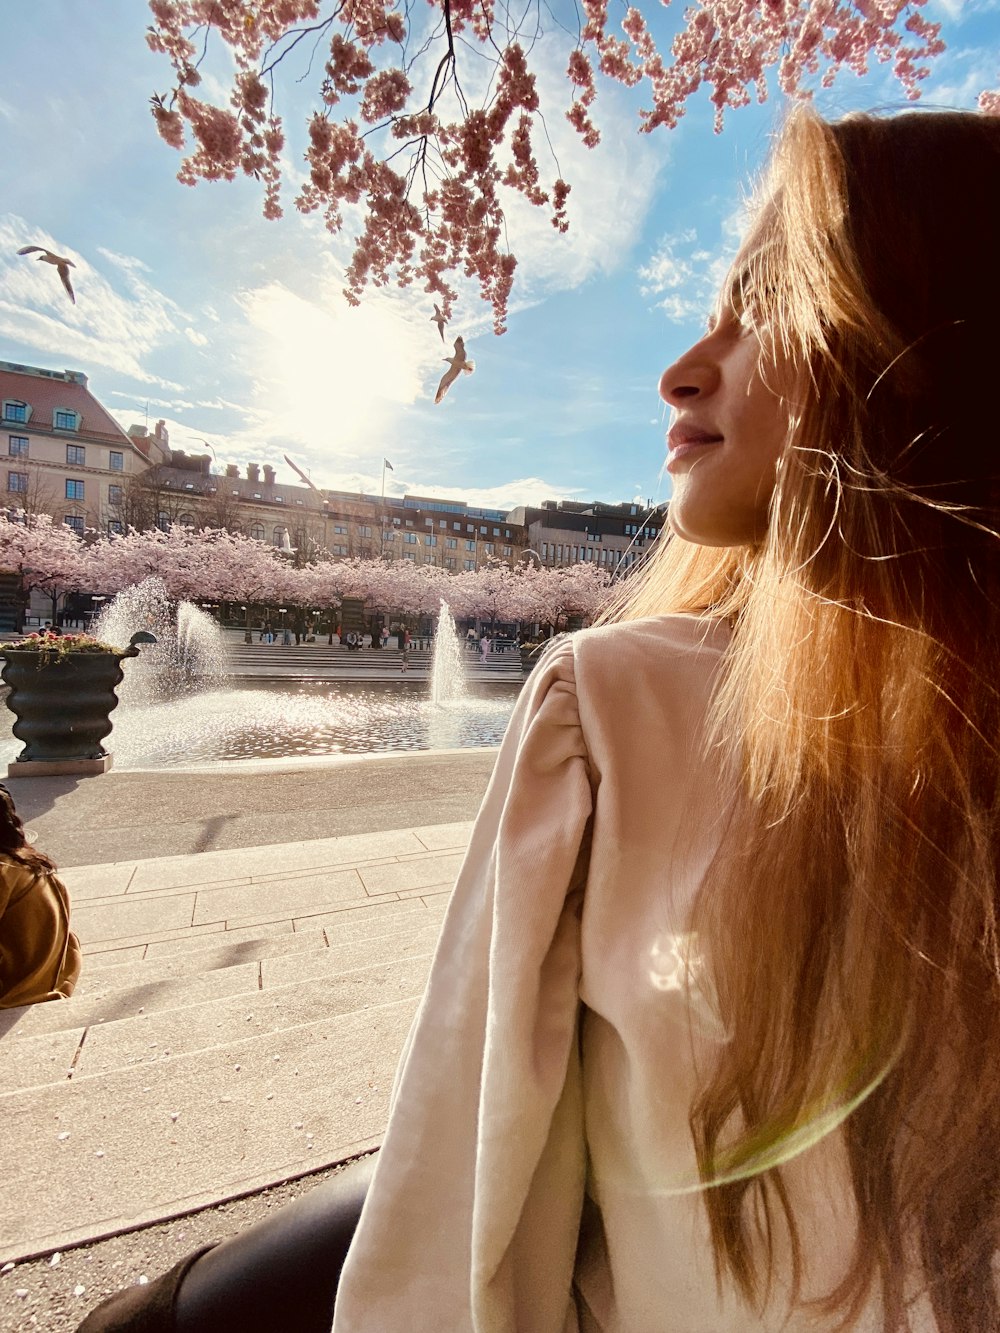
692 375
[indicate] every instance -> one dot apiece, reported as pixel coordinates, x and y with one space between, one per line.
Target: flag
386 463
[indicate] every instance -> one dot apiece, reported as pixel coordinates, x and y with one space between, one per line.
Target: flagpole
382 512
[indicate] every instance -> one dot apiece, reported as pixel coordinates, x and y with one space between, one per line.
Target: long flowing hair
852 909
14 843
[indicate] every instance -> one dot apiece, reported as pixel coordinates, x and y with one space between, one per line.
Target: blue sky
233 328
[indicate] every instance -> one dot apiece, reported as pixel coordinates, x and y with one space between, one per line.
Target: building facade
616 537
303 521
65 455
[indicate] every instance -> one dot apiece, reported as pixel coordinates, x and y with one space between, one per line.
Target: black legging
278 1276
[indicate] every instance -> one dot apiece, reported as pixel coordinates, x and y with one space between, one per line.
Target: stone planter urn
62 693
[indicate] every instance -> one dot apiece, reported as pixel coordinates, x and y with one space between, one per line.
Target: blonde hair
852 908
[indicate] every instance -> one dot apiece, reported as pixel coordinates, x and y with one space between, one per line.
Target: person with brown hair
39 954
709 1042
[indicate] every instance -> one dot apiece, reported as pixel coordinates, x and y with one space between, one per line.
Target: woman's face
729 426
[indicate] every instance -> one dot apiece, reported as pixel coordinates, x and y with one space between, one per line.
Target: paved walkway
238 1022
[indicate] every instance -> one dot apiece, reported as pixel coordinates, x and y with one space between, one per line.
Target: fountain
188 653
447 668
181 714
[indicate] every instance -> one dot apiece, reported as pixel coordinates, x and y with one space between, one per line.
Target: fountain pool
301 720
177 709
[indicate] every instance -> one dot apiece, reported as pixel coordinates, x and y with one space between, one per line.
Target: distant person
385 636
484 647
39 954
49 628
286 637
404 650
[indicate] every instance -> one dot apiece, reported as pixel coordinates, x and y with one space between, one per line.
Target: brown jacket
39 954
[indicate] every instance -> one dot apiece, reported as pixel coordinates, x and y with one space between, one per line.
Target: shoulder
662 640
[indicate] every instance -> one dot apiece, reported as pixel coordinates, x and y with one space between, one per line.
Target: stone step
206 1021
97 1154
341 926
131 966
178 982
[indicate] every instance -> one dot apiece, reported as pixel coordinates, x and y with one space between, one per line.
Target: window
430 541
63 420
429 522
409 522
115 526
483 531
74 489
257 531
340 530
456 527
365 530
507 551
389 536
470 527
496 532
280 536
395 522
410 537
442 523
545 550
74 521
338 550
17 446
114 495
116 460
15 410
76 455
489 548
468 564
451 543
17 481
506 532
409 555
449 562
163 520
186 520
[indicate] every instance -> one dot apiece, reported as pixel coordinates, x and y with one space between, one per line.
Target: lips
681 437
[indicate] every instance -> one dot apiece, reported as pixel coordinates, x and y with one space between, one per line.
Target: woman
39 955
709 1042
711 1036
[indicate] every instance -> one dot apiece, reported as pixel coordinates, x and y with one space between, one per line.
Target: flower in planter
53 647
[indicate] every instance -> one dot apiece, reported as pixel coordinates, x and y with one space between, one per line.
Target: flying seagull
456 364
439 319
62 264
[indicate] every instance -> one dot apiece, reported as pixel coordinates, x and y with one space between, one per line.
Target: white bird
439 319
63 265
456 364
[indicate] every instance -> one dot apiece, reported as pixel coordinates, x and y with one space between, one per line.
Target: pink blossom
425 174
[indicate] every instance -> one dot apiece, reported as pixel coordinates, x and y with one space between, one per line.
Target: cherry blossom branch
439 213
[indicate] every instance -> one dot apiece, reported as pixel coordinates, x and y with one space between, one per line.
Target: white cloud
613 187
505 495
686 276
193 336
107 326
